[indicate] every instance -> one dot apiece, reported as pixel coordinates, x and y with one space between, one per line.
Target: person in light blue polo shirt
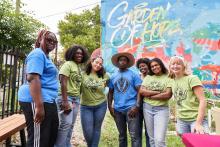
37 95
124 85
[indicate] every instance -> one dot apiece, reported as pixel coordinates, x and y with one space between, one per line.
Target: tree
83 29
17 29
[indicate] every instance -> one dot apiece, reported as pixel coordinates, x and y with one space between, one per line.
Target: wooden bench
9 126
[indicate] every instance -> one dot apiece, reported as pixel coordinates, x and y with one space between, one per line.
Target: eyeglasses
51 41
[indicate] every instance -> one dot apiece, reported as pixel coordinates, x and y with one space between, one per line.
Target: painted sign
163 28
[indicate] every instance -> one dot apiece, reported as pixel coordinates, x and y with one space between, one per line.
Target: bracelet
138 105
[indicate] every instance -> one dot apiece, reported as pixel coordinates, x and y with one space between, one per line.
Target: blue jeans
156 119
66 122
123 121
91 120
187 126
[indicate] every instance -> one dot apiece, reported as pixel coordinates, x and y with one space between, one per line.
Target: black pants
44 134
141 127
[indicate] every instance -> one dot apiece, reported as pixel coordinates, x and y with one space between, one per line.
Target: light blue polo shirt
38 62
124 85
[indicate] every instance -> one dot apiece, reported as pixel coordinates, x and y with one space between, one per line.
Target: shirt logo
121 85
180 95
93 84
156 86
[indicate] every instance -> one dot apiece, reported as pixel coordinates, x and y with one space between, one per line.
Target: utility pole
18 4
14 76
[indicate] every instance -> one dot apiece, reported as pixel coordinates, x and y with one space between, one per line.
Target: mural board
163 28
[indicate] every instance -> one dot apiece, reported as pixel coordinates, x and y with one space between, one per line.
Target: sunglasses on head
178 57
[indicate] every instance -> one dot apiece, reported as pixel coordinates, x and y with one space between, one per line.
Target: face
155 67
97 64
51 42
177 66
143 68
78 56
122 62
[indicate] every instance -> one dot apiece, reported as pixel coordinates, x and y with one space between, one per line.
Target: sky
50 12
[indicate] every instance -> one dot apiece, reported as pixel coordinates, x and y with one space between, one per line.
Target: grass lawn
109 136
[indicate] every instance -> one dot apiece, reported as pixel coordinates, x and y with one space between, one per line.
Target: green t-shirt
72 70
186 100
93 89
157 83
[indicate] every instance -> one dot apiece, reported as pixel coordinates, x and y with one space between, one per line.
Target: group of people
51 108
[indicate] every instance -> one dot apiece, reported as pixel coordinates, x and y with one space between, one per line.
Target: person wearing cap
124 85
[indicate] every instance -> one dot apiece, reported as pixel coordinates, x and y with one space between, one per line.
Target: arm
134 110
35 91
138 96
198 91
110 100
164 95
63 82
146 92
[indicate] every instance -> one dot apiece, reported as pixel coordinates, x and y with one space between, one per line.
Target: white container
215 111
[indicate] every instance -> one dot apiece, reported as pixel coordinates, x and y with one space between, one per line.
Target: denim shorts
187 126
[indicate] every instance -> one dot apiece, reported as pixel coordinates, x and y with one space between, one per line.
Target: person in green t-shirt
68 102
190 99
93 103
142 65
156 90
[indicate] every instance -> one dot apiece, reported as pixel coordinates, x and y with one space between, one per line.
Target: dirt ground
78 139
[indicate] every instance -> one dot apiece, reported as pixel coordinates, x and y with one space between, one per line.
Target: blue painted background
163 28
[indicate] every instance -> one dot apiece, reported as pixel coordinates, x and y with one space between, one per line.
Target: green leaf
83 29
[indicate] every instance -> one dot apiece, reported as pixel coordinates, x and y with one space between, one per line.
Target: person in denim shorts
68 101
190 99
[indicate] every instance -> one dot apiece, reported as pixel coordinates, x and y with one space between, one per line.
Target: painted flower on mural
206 45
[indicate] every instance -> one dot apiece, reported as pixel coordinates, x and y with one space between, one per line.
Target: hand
66 107
39 114
111 110
133 112
177 133
198 129
141 92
